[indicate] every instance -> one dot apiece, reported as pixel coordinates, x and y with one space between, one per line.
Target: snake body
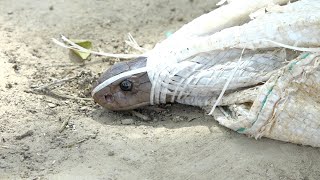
206 74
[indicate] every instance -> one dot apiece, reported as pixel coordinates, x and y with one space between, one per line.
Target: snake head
117 91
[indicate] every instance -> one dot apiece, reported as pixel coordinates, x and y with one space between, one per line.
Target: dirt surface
179 142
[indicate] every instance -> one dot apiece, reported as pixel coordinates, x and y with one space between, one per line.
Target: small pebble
52 105
9 86
180 19
84 108
51 8
178 118
110 153
149 46
24 135
24 175
16 67
215 129
127 121
25 148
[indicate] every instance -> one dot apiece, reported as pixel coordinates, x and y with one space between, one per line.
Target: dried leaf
85 44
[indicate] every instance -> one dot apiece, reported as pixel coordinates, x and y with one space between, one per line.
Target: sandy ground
180 142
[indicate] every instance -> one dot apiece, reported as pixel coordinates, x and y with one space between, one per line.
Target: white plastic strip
226 85
294 47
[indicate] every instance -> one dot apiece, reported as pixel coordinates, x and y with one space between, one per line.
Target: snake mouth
117 101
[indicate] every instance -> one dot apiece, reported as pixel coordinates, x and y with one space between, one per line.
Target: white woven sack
286 108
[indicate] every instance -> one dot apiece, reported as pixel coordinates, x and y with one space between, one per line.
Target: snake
116 91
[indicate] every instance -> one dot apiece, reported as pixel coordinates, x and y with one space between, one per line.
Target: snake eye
126 85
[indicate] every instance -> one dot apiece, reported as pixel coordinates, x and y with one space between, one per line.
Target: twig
76 47
5 147
60 81
57 82
64 124
76 142
67 65
141 116
78 65
153 108
57 95
65 96
24 135
194 118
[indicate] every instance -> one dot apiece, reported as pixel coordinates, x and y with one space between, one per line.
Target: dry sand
180 142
